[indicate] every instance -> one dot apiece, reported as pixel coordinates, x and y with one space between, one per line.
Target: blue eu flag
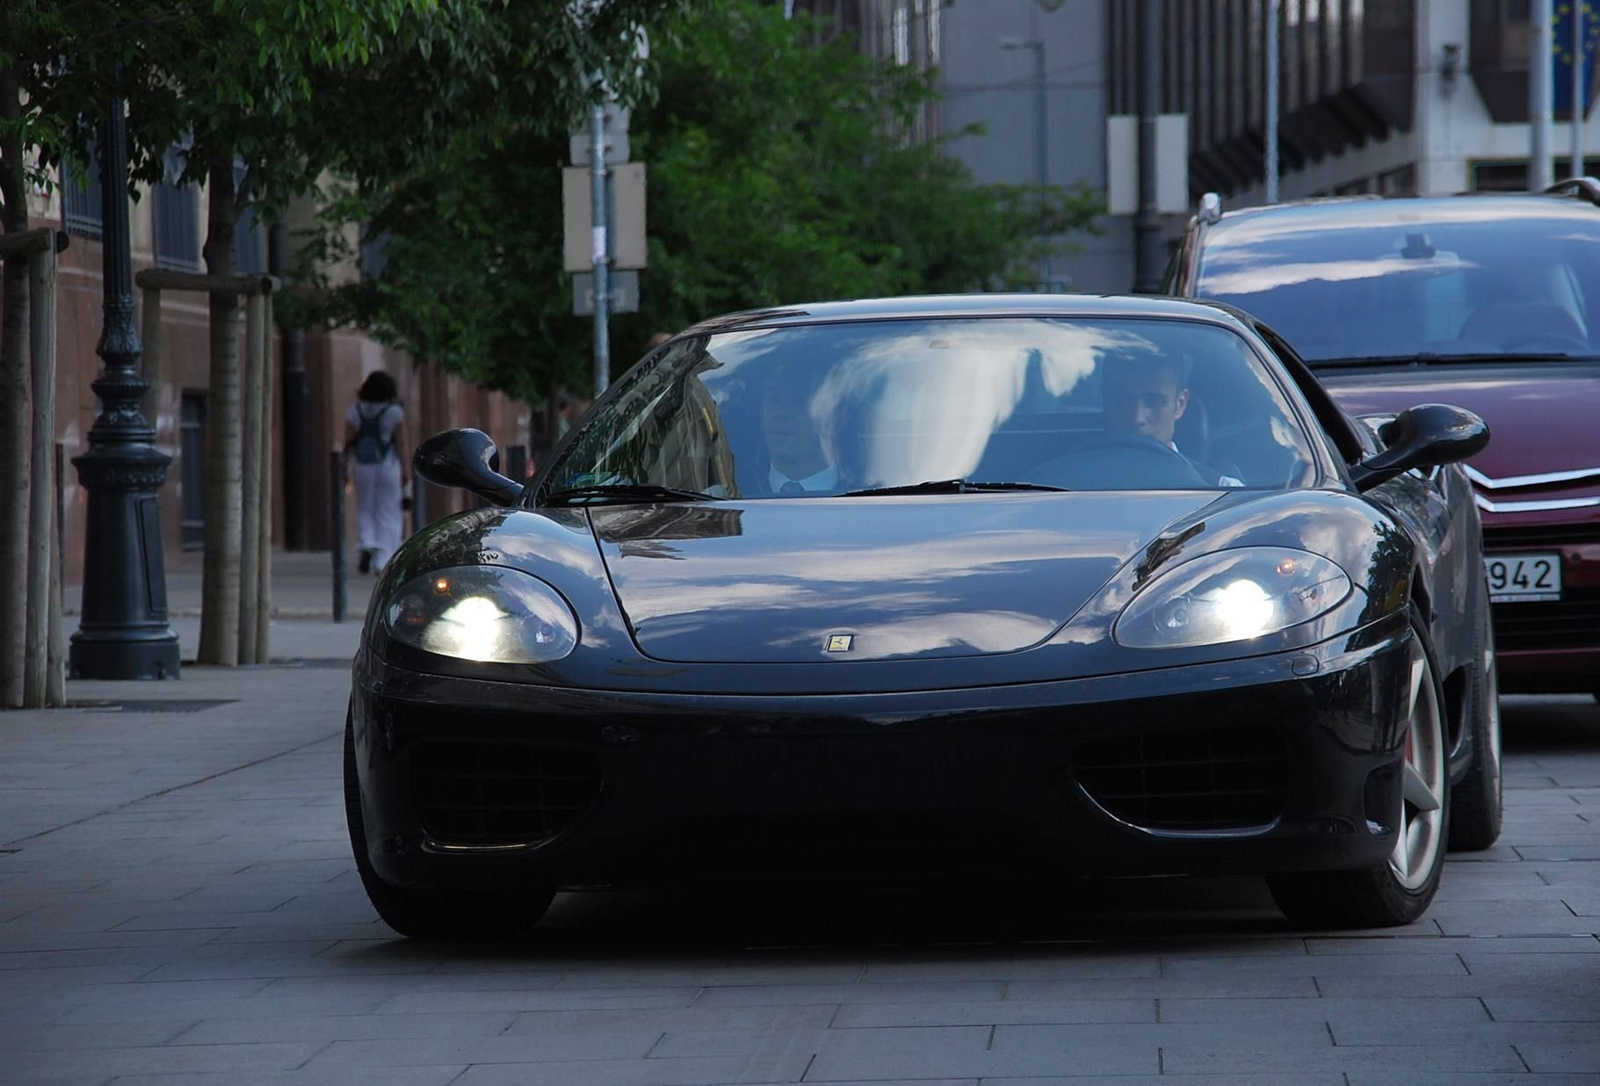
1564 58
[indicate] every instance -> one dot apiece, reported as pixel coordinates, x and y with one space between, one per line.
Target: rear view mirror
466 459
1422 437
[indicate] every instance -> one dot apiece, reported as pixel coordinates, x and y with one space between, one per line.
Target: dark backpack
369 445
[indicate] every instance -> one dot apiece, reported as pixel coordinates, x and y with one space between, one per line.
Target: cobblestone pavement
177 904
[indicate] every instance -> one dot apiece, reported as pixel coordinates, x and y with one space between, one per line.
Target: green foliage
779 172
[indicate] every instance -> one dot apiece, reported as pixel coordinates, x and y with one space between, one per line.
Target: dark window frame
175 213
82 204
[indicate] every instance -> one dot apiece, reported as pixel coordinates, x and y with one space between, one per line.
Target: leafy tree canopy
779 172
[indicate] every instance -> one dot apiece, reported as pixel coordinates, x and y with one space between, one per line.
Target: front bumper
1288 762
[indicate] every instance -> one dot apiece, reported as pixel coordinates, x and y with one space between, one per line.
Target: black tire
429 913
1477 802
1377 897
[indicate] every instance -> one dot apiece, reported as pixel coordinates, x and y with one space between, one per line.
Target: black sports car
937 586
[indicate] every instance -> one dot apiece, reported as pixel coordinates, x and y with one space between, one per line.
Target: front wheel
428 912
1401 890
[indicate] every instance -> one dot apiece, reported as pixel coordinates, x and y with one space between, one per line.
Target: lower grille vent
1207 779
499 794
1569 623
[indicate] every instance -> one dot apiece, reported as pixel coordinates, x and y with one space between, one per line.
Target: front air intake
500 794
1197 781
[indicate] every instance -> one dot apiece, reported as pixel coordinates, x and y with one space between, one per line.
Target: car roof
976 305
1332 213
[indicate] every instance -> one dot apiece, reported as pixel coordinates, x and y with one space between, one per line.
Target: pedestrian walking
373 428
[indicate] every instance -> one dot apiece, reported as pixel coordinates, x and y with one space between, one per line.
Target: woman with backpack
381 471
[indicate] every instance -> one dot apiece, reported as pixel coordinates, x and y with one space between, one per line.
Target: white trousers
380 522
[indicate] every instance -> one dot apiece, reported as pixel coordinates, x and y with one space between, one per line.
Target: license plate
1523 578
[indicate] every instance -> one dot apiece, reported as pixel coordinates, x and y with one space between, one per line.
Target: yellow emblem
840 642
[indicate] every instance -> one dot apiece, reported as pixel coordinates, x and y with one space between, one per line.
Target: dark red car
1487 301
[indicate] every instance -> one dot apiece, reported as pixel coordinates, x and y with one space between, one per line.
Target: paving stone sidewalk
177 905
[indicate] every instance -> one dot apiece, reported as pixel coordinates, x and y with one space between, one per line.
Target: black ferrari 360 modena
951 586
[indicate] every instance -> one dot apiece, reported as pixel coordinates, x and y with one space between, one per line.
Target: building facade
998 64
1405 96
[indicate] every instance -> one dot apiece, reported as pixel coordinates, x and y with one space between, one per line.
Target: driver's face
1144 400
792 439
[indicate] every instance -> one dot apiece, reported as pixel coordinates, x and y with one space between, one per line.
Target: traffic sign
623 292
616 140
625 227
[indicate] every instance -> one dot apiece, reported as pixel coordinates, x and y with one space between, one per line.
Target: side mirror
1422 437
466 459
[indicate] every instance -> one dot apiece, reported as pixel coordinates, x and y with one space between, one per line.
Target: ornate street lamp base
124 653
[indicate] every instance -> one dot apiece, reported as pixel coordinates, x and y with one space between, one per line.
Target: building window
1400 182
177 218
1513 176
81 204
374 255
192 461
249 252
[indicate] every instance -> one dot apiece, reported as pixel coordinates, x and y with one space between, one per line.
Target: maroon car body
1488 302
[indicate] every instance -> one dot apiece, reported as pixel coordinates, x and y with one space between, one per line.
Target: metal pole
336 529
1577 90
1042 142
264 521
1273 65
1147 224
600 247
296 407
55 684
123 633
1540 92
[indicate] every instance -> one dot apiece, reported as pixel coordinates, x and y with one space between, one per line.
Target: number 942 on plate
1523 578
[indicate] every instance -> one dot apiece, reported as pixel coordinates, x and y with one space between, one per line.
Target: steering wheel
1117 460
1546 341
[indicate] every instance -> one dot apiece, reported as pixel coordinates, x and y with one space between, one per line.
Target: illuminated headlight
1231 596
490 614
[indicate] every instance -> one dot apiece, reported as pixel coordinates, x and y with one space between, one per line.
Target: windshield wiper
1428 358
948 486
625 492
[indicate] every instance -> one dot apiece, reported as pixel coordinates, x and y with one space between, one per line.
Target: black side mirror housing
1424 436
466 459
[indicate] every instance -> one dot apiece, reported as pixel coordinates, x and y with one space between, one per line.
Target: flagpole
1540 85
1578 97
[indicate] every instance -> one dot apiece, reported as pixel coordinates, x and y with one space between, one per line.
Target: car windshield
942 405
1499 278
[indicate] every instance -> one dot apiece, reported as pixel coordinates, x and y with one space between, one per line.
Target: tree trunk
14 407
219 605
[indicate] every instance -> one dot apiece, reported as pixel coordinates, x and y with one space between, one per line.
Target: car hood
899 577
1540 415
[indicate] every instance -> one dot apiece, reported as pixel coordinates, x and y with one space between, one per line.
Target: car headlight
1231 596
491 614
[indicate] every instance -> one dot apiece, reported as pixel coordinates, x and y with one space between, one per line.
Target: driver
1147 396
798 463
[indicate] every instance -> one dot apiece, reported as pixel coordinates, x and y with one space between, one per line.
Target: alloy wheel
1422 816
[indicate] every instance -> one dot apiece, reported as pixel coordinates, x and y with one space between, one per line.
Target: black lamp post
124 632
